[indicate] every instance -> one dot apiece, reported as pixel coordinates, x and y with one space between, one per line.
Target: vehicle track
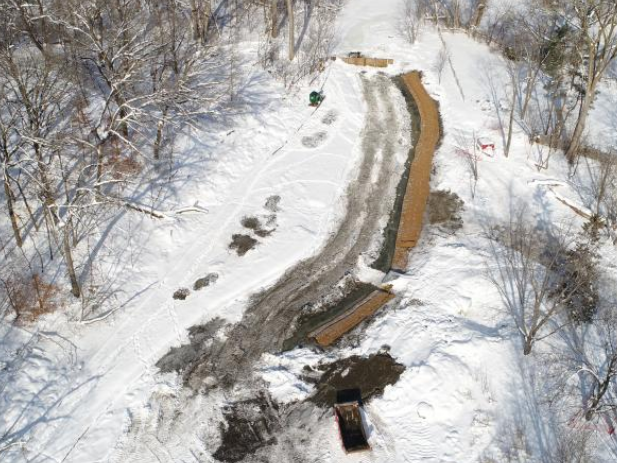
270 318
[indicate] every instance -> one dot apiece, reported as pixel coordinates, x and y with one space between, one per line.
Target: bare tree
596 21
201 11
10 145
412 17
592 357
527 274
512 71
442 59
290 29
478 13
274 18
603 184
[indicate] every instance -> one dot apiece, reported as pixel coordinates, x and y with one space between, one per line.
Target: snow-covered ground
70 390
68 396
468 394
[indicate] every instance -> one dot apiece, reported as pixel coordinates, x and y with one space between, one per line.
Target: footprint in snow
330 117
313 141
425 411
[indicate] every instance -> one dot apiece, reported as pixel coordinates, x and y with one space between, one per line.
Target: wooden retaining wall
333 330
412 214
375 62
418 185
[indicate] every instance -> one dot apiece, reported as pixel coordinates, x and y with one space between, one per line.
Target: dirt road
269 320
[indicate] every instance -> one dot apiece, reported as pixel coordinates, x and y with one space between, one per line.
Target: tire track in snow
271 318
110 361
267 323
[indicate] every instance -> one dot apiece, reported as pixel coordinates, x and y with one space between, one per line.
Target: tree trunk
527 346
274 19
195 21
577 136
511 121
10 198
99 166
28 208
290 21
68 258
206 18
456 14
159 136
477 15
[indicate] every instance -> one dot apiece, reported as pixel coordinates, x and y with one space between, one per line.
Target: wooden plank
327 334
418 185
373 62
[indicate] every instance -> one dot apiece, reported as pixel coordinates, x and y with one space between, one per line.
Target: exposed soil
206 281
254 426
272 203
242 243
200 338
252 223
369 374
444 209
181 294
270 318
250 425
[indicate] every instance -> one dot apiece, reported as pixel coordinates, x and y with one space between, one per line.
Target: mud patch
369 374
209 279
242 243
200 338
272 203
330 118
254 224
181 294
313 141
249 426
444 209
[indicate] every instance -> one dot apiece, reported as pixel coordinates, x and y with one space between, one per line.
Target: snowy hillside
191 338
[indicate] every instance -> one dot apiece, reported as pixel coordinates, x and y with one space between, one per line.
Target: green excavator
315 98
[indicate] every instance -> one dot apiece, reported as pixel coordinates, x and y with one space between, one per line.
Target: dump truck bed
350 425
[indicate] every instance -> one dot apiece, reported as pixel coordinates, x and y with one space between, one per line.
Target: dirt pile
444 209
369 374
249 426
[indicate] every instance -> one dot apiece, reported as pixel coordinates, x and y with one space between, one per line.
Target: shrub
30 296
